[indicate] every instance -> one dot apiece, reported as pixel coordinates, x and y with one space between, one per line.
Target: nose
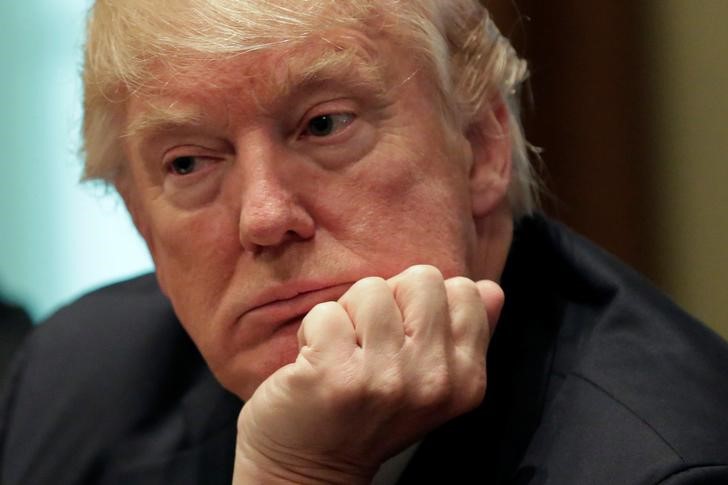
271 212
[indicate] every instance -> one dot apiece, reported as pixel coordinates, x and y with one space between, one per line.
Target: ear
490 142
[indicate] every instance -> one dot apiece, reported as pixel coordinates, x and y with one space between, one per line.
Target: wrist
253 466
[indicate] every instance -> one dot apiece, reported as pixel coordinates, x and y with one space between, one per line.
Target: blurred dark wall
586 107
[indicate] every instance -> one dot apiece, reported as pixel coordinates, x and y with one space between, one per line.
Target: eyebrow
158 118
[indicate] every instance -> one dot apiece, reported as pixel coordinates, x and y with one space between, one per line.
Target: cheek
404 216
194 254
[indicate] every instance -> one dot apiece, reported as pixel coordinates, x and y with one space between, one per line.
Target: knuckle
424 272
321 310
461 284
435 390
471 390
368 284
326 307
476 388
473 394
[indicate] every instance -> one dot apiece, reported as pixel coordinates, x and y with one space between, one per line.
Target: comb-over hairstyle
470 62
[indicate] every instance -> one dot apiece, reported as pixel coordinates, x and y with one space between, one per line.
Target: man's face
262 192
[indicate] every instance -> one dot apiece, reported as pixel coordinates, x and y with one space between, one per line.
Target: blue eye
328 124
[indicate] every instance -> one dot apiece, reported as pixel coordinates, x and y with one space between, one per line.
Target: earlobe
490 171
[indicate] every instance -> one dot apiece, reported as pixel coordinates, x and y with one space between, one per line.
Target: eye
183 165
188 164
328 124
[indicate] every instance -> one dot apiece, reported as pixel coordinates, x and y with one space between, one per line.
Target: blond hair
470 60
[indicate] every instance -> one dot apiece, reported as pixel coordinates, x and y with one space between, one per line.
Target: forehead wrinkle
158 117
349 67
345 61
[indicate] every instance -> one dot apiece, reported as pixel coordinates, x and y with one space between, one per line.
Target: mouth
282 307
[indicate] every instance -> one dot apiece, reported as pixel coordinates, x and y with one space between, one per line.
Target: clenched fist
377 370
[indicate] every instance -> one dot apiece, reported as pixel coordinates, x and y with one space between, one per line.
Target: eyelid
202 155
324 106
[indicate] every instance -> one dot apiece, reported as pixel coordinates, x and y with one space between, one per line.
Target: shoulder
15 324
111 332
635 382
105 371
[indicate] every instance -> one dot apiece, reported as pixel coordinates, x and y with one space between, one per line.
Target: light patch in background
689 73
58 239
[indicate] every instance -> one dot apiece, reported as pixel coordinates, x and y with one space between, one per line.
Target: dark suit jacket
593 378
15 324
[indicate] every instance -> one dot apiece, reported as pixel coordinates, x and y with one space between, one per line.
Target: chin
249 369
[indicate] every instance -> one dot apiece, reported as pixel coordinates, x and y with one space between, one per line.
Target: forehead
344 58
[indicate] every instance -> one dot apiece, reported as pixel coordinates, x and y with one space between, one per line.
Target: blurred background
627 100
58 238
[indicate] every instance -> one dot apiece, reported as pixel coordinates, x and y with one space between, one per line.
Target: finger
420 295
327 331
467 312
475 307
375 315
493 298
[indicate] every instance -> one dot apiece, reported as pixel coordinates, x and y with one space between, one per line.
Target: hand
376 371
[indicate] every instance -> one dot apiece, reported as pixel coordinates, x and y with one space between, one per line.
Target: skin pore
263 190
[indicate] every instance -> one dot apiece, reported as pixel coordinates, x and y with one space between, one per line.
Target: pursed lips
288 303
